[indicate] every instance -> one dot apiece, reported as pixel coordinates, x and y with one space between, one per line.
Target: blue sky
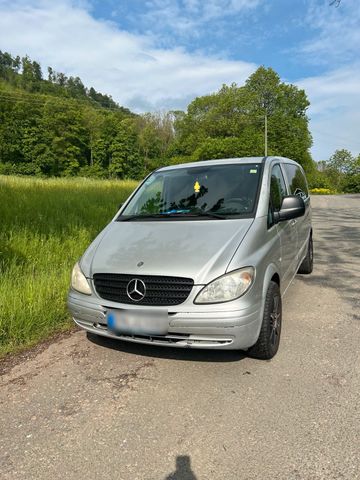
160 54
219 28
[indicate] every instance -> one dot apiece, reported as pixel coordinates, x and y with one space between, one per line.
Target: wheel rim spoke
275 323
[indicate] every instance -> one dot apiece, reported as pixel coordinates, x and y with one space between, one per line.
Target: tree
341 161
344 170
31 75
341 173
75 87
8 66
155 135
63 139
264 85
125 161
231 121
93 122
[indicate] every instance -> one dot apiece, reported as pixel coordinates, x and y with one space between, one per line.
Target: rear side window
297 181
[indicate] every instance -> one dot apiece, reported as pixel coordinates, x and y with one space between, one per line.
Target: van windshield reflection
213 192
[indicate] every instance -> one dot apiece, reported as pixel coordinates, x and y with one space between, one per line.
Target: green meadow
45 227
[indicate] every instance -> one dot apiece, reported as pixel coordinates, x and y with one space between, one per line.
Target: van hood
200 249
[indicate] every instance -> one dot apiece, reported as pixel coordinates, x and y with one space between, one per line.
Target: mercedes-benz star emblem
136 290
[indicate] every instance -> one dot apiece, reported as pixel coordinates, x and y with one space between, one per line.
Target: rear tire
269 338
306 266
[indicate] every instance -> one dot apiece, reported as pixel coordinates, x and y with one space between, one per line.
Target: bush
93 171
19 169
6 169
318 179
351 183
322 191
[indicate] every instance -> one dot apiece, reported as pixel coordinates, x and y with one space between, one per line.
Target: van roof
226 161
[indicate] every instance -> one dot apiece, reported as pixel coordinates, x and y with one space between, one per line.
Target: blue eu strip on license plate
140 322
111 321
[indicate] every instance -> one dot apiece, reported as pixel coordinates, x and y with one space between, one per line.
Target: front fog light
78 281
228 287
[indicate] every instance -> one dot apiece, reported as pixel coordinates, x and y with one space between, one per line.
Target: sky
155 55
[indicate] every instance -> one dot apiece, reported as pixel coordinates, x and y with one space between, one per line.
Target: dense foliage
58 127
231 122
341 173
55 126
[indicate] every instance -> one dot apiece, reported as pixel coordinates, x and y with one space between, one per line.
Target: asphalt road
86 408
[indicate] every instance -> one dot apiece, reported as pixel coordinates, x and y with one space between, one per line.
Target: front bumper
215 328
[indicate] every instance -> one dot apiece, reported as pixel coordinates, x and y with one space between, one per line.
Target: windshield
213 191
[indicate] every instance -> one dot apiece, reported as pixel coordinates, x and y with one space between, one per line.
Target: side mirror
292 206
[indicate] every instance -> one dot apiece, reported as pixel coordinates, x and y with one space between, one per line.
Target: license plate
141 322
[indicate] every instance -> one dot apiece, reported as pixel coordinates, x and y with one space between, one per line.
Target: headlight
228 287
78 280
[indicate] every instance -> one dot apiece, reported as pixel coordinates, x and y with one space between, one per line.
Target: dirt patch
8 362
122 380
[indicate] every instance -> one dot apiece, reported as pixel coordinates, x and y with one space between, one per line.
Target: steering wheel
238 203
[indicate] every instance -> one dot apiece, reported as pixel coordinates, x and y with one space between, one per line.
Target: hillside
57 126
23 75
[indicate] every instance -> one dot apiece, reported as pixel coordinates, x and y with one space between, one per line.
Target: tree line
56 126
26 75
340 173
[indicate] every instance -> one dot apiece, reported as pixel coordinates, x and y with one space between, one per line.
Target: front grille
160 290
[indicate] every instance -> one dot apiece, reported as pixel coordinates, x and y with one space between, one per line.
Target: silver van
199 256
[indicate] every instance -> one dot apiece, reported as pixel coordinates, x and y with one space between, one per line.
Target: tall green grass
45 225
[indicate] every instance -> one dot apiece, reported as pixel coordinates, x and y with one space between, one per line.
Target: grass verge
45 227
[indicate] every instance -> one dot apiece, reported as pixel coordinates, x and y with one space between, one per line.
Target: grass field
45 227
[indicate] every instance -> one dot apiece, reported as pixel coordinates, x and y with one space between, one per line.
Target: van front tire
269 338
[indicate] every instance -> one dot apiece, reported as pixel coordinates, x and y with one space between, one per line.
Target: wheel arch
271 274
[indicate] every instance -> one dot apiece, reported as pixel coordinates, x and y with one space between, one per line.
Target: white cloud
335 94
337 32
129 67
187 16
335 111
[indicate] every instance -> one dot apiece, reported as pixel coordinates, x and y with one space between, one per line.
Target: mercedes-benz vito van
199 256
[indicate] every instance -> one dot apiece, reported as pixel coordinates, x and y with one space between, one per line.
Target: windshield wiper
207 213
124 218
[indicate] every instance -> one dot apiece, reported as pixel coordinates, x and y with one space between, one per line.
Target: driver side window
277 193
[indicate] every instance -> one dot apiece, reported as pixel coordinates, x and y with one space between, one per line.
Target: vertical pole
265 134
